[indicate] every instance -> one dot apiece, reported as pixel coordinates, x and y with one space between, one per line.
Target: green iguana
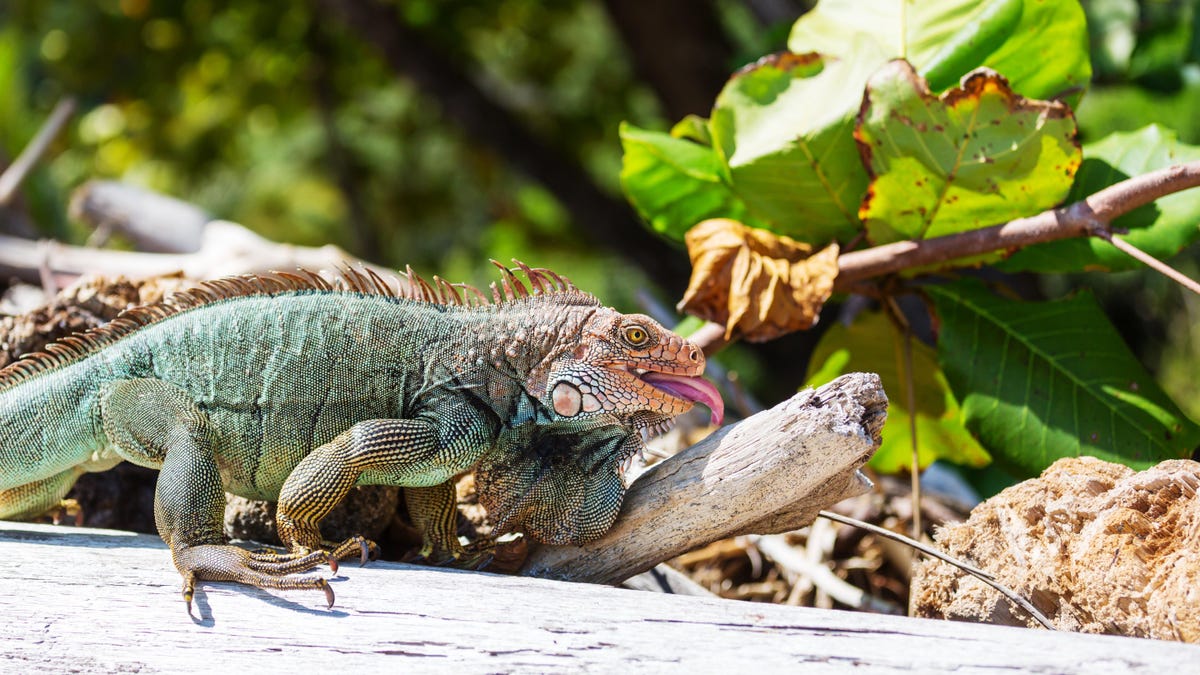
286 387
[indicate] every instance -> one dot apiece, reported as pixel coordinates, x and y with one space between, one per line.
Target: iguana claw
367 550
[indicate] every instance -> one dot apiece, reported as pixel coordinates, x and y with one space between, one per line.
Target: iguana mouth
689 388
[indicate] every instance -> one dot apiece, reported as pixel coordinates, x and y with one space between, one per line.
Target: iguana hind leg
40 497
154 423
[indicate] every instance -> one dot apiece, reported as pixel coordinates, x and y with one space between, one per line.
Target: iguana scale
290 388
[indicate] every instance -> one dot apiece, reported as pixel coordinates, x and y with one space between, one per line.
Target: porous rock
1096 546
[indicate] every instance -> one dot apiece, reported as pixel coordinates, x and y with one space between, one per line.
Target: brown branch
1083 218
1088 217
15 174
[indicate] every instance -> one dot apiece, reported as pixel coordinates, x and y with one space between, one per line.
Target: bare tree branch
1088 217
1081 219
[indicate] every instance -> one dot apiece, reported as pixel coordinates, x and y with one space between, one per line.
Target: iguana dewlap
286 387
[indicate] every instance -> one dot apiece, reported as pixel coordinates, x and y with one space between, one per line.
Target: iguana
287 387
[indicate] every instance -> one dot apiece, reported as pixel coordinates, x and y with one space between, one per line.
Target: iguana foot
473 556
67 508
266 569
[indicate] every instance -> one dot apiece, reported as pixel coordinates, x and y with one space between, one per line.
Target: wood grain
96 601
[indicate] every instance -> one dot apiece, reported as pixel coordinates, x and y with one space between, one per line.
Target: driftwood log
95 601
769 473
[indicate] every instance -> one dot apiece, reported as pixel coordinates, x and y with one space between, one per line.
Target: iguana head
630 367
624 377
603 381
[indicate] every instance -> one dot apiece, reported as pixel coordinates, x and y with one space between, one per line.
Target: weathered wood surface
771 472
87 601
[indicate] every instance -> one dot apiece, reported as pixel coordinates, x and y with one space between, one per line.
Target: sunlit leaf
1041 46
784 127
674 183
977 155
872 343
757 284
1161 229
1039 381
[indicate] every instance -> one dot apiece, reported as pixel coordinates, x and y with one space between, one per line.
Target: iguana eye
636 335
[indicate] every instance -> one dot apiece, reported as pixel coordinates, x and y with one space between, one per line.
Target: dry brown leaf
760 285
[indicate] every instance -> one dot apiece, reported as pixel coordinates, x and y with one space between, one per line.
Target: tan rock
1095 546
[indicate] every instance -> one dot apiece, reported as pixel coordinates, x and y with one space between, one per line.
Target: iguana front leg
154 423
420 454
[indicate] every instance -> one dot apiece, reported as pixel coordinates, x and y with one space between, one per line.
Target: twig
945 557
1080 219
1150 261
786 556
15 174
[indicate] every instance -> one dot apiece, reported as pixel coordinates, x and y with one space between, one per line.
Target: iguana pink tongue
696 389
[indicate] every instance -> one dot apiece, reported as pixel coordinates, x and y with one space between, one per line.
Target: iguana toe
365 548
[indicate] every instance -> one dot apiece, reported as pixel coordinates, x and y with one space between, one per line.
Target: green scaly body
284 388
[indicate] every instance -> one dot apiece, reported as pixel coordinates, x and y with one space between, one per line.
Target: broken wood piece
151 221
791 559
769 473
198 247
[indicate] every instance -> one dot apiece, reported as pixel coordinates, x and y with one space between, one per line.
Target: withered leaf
758 284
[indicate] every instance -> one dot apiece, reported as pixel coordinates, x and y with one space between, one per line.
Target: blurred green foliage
274 116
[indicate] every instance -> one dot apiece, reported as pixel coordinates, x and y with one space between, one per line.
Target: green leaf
1041 46
873 344
977 156
693 128
1160 229
793 162
674 183
1040 381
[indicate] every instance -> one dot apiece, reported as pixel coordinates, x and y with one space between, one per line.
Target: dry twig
15 174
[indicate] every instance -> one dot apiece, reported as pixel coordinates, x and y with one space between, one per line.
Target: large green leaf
1039 381
871 343
1161 229
976 156
1041 46
675 183
791 160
